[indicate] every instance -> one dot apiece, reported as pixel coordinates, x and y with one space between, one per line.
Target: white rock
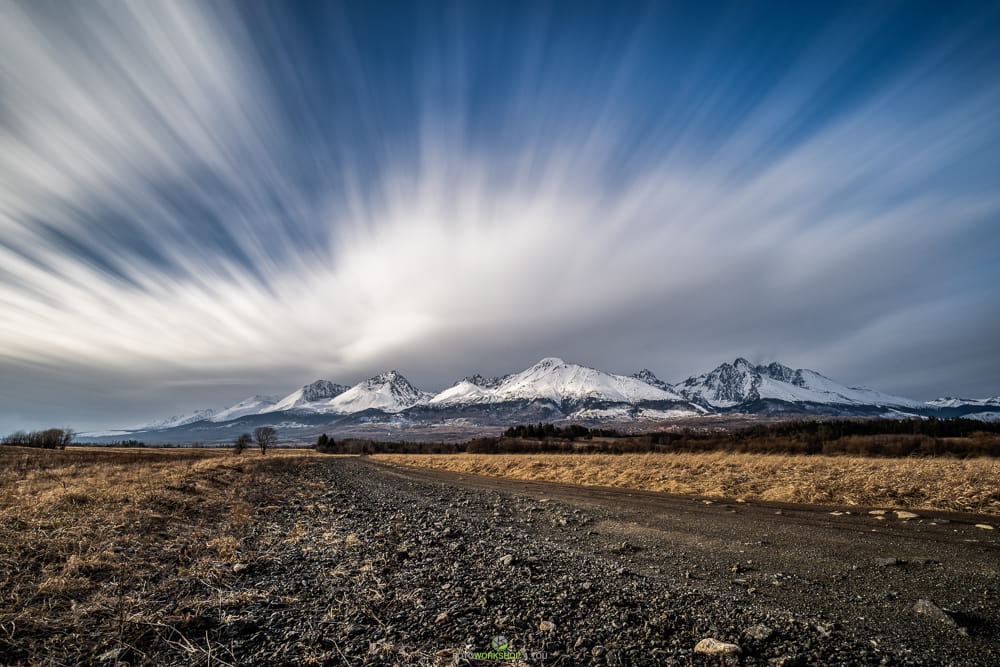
710 646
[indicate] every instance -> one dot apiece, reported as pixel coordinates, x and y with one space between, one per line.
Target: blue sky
201 201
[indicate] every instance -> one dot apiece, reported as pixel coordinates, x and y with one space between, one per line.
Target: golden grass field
102 547
965 485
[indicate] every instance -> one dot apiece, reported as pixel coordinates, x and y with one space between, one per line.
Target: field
201 557
107 550
965 485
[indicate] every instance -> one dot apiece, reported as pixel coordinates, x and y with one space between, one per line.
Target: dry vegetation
103 551
967 485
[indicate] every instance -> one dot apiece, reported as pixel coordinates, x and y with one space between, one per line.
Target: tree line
886 437
50 438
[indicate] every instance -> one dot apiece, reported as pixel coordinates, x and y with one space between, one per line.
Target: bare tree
265 437
241 443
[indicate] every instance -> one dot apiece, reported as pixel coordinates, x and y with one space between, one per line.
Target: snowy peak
308 396
726 386
390 392
739 383
555 380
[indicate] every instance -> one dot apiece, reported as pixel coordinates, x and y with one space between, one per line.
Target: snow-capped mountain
952 402
741 384
555 380
550 390
388 392
254 405
176 420
570 388
312 396
562 384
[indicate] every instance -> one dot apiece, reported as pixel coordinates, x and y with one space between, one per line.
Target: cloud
176 207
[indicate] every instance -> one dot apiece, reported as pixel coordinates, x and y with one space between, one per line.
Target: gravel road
371 563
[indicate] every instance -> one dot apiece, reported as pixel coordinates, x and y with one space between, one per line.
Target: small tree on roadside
265 437
241 443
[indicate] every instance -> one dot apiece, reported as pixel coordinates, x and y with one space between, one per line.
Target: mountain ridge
554 389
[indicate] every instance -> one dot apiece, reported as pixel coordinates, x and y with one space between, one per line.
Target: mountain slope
312 396
740 384
952 402
389 392
555 380
248 406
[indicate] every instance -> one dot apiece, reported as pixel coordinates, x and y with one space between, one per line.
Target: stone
931 610
900 514
506 560
984 526
888 562
711 646
240 567
547 626
877 512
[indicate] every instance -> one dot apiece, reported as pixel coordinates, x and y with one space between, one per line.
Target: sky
200 201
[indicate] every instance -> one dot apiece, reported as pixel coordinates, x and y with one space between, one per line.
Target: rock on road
372 563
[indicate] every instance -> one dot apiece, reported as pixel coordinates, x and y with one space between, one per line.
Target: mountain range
550 390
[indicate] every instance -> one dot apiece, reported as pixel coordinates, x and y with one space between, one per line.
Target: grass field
102 549
966 485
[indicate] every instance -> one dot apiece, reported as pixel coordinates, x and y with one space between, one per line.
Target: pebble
900 514
711 646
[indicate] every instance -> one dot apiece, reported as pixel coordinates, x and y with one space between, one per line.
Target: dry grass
109 549
967 485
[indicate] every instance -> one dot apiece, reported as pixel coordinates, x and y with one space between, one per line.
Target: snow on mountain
389 392
646 375
463 392
555 380
254 405
311 396
731 385
485 382
952 402
725 387
177 420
